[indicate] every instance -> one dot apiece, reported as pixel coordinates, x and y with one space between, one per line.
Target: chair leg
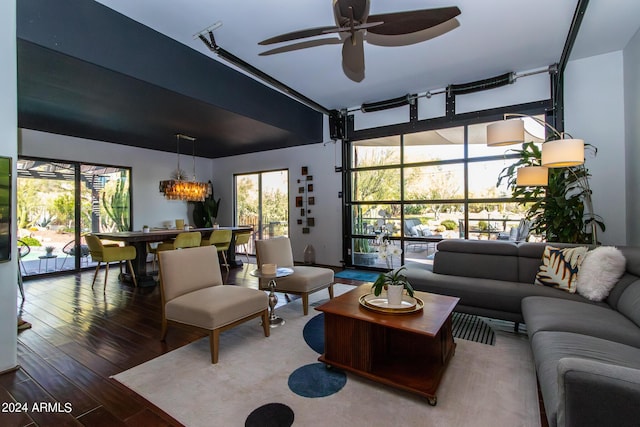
214 341
20 285
224 257
305 303
331 291
265 322
133 274
106 273
163 333
246 252
95 274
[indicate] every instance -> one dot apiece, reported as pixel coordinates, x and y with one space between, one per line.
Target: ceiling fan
354 25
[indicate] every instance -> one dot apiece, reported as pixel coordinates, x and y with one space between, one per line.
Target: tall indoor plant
556 211
206 212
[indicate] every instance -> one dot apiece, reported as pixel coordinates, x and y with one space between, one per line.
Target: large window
410 191
59 202
262 201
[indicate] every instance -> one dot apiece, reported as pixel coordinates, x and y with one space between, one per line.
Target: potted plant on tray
395 283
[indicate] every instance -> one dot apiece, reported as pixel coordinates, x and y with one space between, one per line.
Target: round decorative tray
381 304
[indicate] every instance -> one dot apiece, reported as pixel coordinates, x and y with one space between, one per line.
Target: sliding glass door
262 201
58 202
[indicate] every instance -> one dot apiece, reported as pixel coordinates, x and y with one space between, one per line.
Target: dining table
140 240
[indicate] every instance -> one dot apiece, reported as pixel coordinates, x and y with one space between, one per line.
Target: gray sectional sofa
587 354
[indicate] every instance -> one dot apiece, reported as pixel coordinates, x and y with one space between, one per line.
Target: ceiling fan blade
353 57
411 21
302 45
412 38
295 35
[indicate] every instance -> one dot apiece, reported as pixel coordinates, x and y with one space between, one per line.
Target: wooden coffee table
407 351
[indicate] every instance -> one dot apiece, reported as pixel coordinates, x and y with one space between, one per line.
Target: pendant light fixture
179 187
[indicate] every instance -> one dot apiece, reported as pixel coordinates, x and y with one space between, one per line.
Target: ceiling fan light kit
353 23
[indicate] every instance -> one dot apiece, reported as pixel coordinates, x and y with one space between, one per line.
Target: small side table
46 259
274 320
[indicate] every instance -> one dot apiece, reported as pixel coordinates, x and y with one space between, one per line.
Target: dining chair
23 250
305 279
107 254
193 295
221 239
242 240
152 248
188 239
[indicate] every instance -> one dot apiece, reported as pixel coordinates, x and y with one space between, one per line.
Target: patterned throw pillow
559 267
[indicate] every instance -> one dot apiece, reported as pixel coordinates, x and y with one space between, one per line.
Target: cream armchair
304 280
193 295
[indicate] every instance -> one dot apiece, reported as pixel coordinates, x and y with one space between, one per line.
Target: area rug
277 381
365 276
472 328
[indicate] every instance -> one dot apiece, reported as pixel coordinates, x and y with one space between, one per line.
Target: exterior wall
8 148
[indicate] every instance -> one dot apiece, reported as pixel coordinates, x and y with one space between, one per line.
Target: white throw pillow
600 271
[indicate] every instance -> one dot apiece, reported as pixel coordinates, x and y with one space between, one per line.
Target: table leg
140 267
274 320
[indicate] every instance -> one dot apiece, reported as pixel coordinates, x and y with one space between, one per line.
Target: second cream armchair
304 280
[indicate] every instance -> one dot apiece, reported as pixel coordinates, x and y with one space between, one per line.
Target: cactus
118 206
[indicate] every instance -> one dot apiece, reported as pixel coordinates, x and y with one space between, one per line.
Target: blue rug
365 276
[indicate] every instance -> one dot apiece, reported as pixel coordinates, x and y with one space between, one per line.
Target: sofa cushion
629 302
554 314
488 260
497 295
550 346
559 268
632 255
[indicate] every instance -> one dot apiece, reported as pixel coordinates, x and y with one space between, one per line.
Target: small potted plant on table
394 282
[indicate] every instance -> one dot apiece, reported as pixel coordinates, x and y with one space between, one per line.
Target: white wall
632 135
326 236
8 148
149 167
594 111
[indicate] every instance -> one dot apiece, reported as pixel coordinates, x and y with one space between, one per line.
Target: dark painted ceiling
63 89
89 71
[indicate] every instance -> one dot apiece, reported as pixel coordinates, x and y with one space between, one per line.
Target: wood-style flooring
79 338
